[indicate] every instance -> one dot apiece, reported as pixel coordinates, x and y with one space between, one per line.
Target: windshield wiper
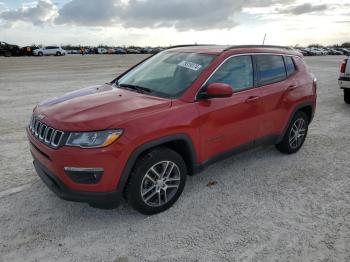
139 89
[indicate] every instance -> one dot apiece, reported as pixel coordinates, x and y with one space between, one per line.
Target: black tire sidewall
347 96
133 193
284 145
40 54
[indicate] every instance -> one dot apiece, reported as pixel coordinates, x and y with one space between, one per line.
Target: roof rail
257 46
176 46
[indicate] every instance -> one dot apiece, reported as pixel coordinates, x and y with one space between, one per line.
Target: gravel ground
265 206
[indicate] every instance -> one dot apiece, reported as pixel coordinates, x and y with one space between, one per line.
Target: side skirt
267 140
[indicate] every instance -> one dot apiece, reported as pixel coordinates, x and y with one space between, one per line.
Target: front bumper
53 165
62 191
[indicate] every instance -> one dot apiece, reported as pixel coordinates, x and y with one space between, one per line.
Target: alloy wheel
160 183
297 133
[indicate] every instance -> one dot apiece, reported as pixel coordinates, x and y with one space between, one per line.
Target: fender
297 108
144 147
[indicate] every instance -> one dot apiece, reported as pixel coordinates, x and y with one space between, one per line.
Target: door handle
252 99
292 87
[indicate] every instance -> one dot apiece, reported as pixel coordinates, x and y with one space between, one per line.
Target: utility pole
264 39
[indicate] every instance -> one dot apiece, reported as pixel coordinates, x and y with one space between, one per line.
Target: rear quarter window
270 69
290 66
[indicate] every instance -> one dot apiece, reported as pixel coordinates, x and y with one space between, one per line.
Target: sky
172 22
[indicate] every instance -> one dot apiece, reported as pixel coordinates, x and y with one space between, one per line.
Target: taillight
343 66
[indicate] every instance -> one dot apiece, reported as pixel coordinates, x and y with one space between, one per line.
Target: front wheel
347 96
40 54
295 135
157 181
58 53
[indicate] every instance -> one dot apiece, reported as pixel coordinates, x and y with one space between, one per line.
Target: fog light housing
83 175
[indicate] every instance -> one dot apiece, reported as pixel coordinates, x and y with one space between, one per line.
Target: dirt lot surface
265 206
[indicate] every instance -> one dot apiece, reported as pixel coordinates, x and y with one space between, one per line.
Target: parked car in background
49 50
344 51
9 50
308 52
111 51
317 51
177 112
344 79
157 50
73 52
101 50
146 50
133 51
333 51
120 51
301 51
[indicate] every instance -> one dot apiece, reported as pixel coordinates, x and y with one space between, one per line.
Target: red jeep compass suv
170 116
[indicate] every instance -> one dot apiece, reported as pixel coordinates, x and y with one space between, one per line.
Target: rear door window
270 69
290 67
237 72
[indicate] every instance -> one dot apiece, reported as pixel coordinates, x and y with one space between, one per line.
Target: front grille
45 134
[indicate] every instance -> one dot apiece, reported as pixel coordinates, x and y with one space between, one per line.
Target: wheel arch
180 143
307 108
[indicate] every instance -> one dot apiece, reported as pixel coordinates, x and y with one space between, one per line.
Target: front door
228 123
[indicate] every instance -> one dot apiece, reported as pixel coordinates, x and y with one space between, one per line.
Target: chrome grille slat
40 129
44 133
48 135
56 136
37 128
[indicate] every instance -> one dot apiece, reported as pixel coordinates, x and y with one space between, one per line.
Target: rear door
53 50
275 77
227 123
46 50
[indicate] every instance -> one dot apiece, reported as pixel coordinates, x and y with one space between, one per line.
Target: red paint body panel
213 126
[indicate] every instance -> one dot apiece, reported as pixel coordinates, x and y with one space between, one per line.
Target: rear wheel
40 54
295 135
8 54
157 181
347 96
58 53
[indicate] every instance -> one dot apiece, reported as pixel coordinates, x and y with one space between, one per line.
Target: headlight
93 139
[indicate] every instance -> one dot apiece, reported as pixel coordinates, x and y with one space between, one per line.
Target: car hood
97 108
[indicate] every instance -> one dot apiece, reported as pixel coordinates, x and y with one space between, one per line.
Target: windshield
167 74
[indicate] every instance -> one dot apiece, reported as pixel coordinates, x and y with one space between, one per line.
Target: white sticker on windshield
190 65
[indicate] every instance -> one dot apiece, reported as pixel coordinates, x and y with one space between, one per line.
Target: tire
58 53
8 54
40 54
295 135
157 181
347 96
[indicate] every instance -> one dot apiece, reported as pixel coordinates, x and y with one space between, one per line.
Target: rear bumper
344 82
62 191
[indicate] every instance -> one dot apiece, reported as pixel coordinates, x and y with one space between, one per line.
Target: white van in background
49 50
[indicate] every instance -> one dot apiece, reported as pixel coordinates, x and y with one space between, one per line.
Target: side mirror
217 90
